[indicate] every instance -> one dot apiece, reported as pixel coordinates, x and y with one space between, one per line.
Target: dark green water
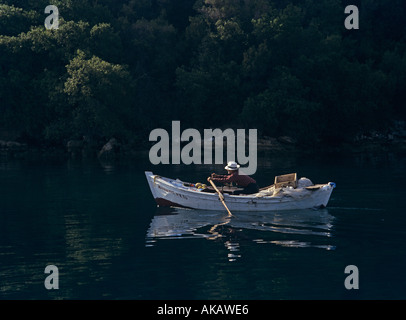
99 225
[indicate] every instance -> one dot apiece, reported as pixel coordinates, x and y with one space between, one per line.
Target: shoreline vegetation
113 149
122 68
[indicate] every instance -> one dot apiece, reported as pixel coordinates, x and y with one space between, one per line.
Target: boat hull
169 192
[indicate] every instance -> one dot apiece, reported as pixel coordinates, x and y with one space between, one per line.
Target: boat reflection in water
260 228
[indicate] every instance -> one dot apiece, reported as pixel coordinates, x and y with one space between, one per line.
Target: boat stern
326 193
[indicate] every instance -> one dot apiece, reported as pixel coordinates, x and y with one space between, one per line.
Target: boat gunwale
210 194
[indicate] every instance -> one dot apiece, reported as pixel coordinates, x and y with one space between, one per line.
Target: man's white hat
232 165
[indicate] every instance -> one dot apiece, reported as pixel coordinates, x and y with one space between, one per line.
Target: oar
220 196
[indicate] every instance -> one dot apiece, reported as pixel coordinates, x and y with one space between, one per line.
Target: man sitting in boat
243 181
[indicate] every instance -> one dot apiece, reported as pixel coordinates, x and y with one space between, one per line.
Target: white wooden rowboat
176 193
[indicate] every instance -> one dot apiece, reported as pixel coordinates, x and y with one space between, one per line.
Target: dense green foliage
121 68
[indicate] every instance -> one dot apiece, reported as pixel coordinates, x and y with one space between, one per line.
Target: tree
13 20
284 67
99 100
284 108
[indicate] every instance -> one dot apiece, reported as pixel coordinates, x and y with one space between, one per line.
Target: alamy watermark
352 21
51 281
52 21
168 149
352 280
